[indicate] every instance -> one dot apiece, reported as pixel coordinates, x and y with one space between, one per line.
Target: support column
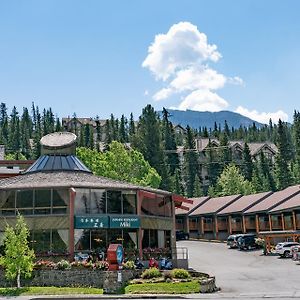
72 194
270 222
282 221
294 220
216 228
140 230
257 223
229 225
202 226
244 224
187 224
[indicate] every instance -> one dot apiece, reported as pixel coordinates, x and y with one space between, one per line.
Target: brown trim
140 196
294 220
216 227
229 225
244 224
257 223
282 221
270 222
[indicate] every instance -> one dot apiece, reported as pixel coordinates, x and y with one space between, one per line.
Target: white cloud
182 46
263 117
235 80
203 100
146 93
180 58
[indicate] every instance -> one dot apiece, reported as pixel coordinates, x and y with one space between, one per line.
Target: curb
208 241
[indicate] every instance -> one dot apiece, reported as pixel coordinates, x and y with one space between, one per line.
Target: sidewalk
218 295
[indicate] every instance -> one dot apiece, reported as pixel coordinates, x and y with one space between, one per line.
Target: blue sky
93 57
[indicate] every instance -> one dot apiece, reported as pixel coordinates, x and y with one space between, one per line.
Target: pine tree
123 137
247 163
25 132
198 190
190 162
169 142
3 124
178 187
131 129
282 170
264 168
58 125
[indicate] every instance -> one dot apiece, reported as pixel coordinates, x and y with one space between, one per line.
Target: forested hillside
159 140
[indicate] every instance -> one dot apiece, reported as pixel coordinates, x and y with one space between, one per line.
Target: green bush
129 265
180 274
151 273
63 265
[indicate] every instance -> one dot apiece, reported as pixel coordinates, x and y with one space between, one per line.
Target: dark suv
247 242
181 235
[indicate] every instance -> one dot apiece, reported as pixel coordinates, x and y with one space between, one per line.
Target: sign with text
90 222
124 222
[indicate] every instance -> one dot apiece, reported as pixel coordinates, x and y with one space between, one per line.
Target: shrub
44 264
63 265
180 274
129 265
101 265
151 273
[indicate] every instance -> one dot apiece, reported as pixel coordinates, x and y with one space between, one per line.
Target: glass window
60 197
160 206
42 198
24 198
114 202
10 200
41 240
99 240
60 240
114 236
82 239
82 201
129 203
98 202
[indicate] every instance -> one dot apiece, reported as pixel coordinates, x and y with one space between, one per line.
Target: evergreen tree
190 162
169 142
178 187
247 163
122 130
282 170
58 125
198 190
98 133
25 132
264 168
131 129
148 141
14 131
3 124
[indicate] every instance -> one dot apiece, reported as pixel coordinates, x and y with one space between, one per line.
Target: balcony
193 226
264 226
288 223
179 226
236 227
222 225
250 224
276 225
208 227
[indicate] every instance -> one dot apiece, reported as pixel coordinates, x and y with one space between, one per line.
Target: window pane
82 240
41 240
10 201
98 202
42 211
42 198
59 211
82 201
114 236
60 197
129 203
60 239
114 202
154 207
98 240
24 199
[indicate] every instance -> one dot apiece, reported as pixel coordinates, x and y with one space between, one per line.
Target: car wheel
249 247
286 254
186 237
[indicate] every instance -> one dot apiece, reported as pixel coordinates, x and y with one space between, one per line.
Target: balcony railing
276 224
208 226
236 226
179 226
264 225
193 226
288 223
250 224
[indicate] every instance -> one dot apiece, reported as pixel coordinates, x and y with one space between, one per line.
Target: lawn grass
35 290
164 288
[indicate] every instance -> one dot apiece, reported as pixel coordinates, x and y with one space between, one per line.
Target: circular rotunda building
70 210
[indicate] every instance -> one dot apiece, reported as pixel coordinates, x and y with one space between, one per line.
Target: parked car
284 248
232 240
181 235
247 242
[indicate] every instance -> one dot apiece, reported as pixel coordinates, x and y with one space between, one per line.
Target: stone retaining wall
74 277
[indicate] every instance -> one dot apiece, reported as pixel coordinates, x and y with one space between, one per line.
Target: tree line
154 136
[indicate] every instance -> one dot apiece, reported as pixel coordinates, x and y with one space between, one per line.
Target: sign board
90 222
124 222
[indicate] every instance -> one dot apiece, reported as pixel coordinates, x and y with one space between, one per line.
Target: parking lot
244 272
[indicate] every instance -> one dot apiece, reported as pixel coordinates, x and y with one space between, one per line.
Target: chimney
2 152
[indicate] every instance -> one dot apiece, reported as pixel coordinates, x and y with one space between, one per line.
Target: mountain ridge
197 119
